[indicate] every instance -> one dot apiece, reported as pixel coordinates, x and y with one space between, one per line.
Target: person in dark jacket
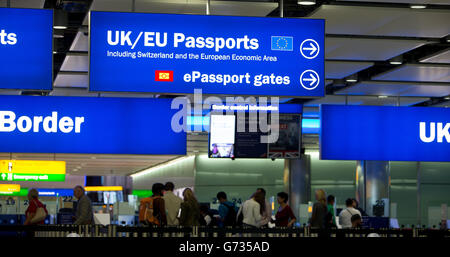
84 214
190 210
319 211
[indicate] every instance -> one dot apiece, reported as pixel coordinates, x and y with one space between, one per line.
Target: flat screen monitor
221 136
109 197
239 136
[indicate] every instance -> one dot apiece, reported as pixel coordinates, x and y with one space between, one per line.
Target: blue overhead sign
51 124
26 42
52 192
384 133
173 53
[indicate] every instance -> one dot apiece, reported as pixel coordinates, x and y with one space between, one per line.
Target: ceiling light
306 2
395 62
447 98
418 6
160 166
59 27
54 52
382 96
58 36
352 78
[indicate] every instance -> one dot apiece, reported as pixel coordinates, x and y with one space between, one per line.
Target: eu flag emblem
281 43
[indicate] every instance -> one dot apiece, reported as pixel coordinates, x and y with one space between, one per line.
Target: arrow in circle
312 79
312 48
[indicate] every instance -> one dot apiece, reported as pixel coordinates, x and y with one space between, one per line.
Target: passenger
227 211
172 204
356 206
190 210
267 215
346 214
206 218
319 211
152 211
284 217
331 216
36 211
252 211
356 221
84 214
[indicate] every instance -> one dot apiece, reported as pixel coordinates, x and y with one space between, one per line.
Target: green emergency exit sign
32 177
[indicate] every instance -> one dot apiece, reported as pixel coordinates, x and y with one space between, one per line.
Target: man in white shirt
346 214
172 204
251 212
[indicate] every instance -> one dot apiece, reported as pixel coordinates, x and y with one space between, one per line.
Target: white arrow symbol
312 79
3 176
312 47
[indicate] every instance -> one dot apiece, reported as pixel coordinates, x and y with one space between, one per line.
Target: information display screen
288 144
222 135
239 135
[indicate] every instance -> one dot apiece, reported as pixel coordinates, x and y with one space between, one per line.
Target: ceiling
362 38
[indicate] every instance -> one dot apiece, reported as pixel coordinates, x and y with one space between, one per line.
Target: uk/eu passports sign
229 55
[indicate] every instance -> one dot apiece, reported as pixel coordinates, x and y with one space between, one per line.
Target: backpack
230 219
146 212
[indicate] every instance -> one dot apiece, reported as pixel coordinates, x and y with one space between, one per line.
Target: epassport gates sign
172 53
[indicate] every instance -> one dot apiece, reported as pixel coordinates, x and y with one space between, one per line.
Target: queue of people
164 208
256 212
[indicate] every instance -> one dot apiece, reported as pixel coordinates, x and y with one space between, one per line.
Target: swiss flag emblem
164 75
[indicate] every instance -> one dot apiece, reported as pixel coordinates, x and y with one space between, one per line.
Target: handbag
39 216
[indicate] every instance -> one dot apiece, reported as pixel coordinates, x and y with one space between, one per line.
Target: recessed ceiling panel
10 92
80 43
396 89
71 80
72 92
23 3
235 8
442 57
75 63
340 70
417 72
384 21
365 100
367 49
443 104
99 164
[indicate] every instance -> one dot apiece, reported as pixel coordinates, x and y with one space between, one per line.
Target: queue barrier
202 232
